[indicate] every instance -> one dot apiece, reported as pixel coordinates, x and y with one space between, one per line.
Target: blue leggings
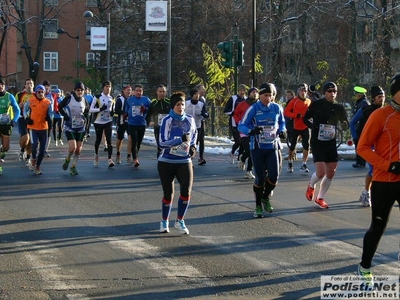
38 138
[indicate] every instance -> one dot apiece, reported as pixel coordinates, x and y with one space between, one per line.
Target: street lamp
89 14
62 31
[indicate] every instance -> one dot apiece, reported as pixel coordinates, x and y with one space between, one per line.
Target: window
50 29
367 63
51 2
50 61
91 59
91 3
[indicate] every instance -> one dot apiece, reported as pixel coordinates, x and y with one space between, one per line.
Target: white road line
160 261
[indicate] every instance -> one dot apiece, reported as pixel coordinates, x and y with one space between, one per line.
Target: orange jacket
379 142
39 111
297 107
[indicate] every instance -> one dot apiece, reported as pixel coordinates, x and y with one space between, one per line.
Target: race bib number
160 118
77 122
268 134
136 111
326 132
180 150
4 119
105 116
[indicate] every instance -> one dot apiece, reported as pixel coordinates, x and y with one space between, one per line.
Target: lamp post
89 14
62 31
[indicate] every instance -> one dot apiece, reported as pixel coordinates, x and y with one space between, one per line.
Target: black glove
185 137
299 116
256 130
394 167
103 108
205 115
66 118
283 135
12 123
192 151
29 121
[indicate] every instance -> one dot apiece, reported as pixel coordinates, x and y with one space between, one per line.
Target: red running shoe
309 192
321 203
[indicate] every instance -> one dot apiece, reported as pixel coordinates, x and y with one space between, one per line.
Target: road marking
44 258
159 261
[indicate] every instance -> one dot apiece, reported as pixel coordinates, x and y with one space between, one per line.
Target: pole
77 54
253 47
108 45
235 43
169 67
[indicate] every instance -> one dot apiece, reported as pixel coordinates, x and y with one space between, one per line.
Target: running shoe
258 212
3 155
111 163
96 160
56 143
129 159
1 171
32 164
201 162
21 156
73 171
37 171
180 225
321 203
105 149
65 164
136 163
304 168
290 168
118 159
249 175
266 203
366 275
164 226
365 198
46 154
231 158
310 192
60 142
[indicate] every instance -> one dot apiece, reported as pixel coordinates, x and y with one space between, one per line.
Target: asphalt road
95 235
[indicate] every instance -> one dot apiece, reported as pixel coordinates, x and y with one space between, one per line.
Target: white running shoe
164 226
249 175
365 198
180 225
56 143
231 158
61 142
96 160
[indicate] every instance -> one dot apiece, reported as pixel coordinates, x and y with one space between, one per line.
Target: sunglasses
78 90
331 91
40 92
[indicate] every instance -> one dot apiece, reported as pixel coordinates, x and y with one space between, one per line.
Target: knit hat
242 87
395 85
251 90
360 90
46 82
40 87
302 86
79 85
57 91
329 85
312 89
2 81
376 90
176 97
267 88
193 92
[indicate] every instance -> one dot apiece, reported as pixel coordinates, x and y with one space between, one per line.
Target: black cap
376 90
176 97
329 85
79 85
267 88
395 85
193 92
46 82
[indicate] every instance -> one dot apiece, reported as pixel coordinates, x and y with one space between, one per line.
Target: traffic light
227 54
240 51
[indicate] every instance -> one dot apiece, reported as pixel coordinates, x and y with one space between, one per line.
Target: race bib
105 116
268 134
326 132
160 118
4 119
77 122
180 150
136 111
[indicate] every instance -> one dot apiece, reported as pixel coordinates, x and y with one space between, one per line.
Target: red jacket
295 108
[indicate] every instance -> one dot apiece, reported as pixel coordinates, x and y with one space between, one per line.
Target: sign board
98 38
156 15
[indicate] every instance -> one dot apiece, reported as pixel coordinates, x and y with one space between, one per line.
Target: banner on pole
98 38
156 15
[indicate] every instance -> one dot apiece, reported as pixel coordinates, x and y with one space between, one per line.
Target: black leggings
200 140
383 196
183 173
57 121
137 133
107 129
